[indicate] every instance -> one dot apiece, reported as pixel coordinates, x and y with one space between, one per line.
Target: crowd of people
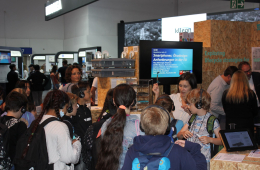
173 133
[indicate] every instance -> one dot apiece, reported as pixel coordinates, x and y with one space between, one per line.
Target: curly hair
111 142
69 72
53 100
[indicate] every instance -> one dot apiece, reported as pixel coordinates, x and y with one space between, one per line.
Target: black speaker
81 94
198 105
23 109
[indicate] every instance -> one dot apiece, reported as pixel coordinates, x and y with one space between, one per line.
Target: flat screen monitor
170 59
171 62
5 57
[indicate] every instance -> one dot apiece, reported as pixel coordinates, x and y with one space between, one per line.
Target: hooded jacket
181 158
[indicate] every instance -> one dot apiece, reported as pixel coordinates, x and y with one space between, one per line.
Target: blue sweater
181 158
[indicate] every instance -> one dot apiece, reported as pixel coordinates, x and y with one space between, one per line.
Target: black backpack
5 161
37 155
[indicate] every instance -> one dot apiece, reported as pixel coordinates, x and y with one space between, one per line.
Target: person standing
54 77
62 71
25 72
37 85
12 78
31 69
216 89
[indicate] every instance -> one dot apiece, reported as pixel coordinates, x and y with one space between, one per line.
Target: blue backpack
152 161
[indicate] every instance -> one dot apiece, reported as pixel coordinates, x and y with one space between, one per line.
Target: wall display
256 59
5 57
245 16
191 52
55 8
66 56
16 54
39 58
172 26
82 54
171 62
147 30
52 59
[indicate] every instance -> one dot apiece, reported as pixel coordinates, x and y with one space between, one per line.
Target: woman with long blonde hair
239 102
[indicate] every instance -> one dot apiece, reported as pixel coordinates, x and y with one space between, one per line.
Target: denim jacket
131 130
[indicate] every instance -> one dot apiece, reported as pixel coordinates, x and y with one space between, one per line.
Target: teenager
198 102
118 132
182 155
15 107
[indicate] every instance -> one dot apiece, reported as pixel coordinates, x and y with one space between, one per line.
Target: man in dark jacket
62 71
12 78
37 84
182 155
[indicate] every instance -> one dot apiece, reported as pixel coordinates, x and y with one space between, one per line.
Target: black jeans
37 97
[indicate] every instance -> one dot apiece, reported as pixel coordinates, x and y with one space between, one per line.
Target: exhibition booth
70 56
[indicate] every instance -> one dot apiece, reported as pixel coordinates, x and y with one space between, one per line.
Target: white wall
23 25
96 24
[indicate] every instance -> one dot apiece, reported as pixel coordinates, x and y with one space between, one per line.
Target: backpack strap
210 129
45 122
192 118
68 87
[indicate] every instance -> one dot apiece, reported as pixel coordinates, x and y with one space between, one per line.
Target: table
248 162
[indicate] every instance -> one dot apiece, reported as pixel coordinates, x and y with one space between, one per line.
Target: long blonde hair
239 88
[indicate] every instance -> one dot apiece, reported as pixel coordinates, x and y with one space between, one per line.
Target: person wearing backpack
155 151
48 129
197 128
118 132
176 125
11 128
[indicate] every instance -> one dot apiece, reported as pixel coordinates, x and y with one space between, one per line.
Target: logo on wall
184 29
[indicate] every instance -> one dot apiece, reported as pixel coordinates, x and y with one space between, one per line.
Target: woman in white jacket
63 152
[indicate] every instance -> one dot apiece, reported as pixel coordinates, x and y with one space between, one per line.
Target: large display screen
171 62
5 57
171 27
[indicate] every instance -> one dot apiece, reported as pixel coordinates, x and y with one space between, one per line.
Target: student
199 104
83 118
63 152
183 156
15 107
118 132
176 125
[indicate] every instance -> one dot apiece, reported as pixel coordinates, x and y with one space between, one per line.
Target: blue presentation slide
5 57
171 62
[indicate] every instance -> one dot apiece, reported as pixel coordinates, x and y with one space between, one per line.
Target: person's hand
187 134
186 109
156 89
180 142
204 139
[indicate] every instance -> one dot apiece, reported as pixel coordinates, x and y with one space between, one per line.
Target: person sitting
176 125
182 155
240 103
196 130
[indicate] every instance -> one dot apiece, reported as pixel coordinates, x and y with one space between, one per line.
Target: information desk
248 162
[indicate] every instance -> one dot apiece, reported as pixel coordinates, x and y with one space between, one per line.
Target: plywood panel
202 33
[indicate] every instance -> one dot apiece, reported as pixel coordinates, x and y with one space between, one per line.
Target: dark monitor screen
171 59
5 57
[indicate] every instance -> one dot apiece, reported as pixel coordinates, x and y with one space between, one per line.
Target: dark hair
31 65
54 69
69 71
165 101
111 142
81 86
230 71
21 84
12 66
53 100
240 65
36 67
64 62
108 105
75 64
31 107
190 78
14 101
